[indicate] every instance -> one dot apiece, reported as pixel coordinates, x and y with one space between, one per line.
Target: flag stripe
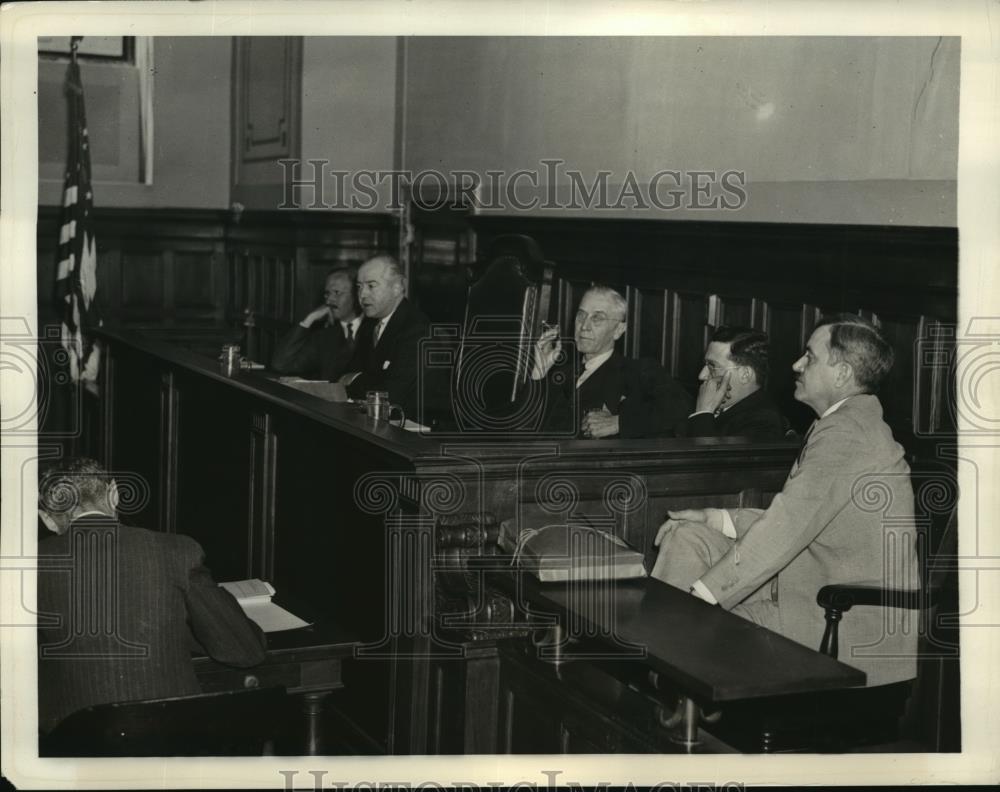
76 273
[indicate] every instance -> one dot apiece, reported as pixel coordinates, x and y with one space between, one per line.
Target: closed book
577 552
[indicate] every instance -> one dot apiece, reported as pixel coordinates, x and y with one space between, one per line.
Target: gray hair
74 484
617 301
861 345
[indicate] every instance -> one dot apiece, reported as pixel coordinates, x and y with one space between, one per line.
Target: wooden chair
850 719
506 304
233 723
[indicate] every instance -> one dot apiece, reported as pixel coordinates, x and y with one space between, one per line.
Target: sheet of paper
271 617
331 391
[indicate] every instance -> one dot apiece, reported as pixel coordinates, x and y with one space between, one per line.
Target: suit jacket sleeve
216 620
296 352
703 424
654 404
762 425
805 506
744 518
401 378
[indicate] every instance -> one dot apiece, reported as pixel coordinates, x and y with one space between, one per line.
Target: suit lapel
603 386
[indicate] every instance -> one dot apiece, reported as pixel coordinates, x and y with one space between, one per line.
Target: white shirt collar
597 360
353 324
834 407
591 365
384 321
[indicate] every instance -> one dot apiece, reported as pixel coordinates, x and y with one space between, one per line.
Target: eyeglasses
715 373
597 318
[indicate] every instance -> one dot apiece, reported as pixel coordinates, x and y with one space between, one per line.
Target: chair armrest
842 598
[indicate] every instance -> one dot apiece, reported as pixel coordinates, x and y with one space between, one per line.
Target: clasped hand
599 423
710 517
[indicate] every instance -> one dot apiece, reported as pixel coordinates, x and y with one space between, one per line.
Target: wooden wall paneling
758 313
733 310
441 255
897 391
144 288
301 291
877 267
785 331
690 322
650 320
194 289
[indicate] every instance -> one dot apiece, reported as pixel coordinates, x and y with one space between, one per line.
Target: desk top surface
433 450
708 652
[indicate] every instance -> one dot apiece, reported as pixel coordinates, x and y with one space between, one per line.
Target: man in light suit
844 515
120 609
322 344
609 395
388 353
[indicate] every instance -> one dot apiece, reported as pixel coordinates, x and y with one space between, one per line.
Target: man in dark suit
732 400
120 609
609 395
322 344
388 352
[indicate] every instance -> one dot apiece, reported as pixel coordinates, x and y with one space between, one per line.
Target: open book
254 596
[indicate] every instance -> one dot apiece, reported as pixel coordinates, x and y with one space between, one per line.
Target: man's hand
710 517
323 312
713 393
599 423
547 349
349 377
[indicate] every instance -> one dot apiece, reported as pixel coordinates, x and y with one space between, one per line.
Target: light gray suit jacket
844 515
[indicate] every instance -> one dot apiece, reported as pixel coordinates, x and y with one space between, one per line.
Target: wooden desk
347 514
306 662
679 638
690 656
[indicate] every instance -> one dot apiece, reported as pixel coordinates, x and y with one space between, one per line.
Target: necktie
349 334
378 330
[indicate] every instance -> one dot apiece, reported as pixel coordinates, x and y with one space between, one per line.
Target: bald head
381 286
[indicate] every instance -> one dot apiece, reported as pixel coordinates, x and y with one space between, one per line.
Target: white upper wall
828 130
825 129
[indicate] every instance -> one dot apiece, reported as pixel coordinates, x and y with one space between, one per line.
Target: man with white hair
609 394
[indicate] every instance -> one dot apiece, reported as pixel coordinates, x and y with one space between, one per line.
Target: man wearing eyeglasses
732 399
609 394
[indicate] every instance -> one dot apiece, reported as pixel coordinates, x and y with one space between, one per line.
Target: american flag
76 276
